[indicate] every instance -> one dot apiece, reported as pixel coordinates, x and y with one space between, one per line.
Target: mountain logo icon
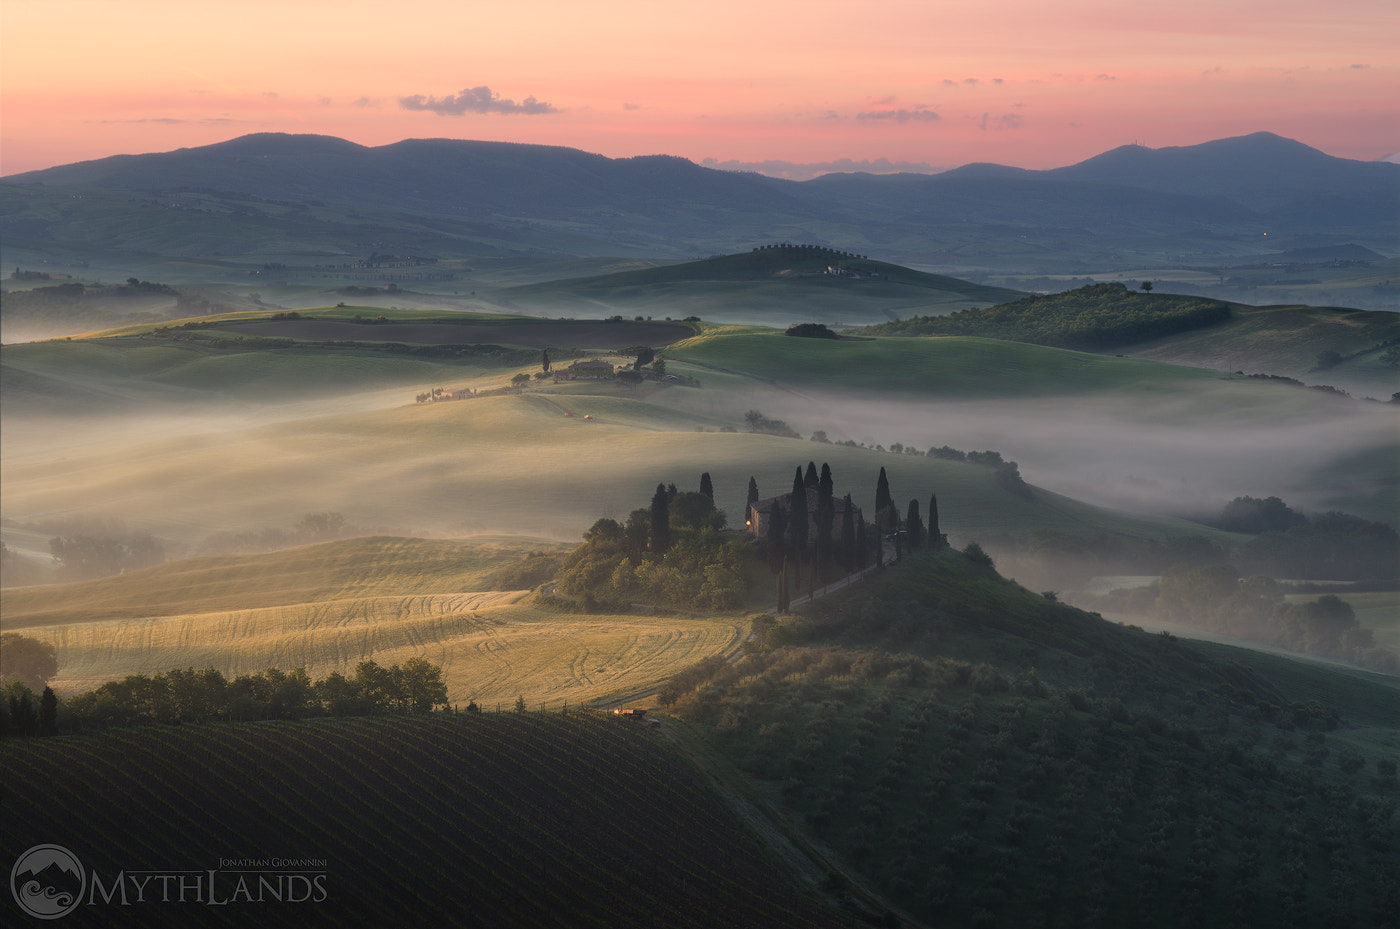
48 881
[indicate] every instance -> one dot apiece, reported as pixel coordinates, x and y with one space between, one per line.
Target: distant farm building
591 368
760 514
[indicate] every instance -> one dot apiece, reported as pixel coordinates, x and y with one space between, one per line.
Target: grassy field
328 607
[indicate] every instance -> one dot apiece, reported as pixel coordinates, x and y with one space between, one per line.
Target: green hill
1287 341
778 286
985 756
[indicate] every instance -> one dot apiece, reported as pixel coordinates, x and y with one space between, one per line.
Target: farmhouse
758 515
590 368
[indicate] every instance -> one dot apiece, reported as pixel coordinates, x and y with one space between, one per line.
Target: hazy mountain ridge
1238 188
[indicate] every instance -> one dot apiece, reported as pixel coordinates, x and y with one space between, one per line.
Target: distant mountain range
462 198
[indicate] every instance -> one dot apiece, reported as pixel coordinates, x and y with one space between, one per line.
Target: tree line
189 695
1215 597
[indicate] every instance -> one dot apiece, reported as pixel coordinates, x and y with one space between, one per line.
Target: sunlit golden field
491 646
328 607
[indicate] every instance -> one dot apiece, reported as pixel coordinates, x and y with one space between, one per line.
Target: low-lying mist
1179 456
549 463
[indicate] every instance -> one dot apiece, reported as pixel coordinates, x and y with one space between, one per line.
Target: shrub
986 679
974 553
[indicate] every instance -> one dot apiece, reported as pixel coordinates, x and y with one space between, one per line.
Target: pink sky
1020 82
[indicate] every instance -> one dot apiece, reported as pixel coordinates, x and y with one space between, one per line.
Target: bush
812 331
977 556
986 679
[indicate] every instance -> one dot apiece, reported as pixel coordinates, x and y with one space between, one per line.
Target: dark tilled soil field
594 334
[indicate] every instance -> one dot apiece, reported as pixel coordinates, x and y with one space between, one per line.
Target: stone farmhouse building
758 515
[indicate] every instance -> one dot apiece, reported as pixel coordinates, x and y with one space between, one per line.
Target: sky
885 83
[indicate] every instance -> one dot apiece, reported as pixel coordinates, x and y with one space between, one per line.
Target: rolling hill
778 285
984 756
1279 340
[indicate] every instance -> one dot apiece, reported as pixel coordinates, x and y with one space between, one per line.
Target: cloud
899 116
366 101
475 100
631 106
1005 121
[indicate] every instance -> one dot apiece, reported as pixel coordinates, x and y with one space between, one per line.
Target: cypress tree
753 495
935 536
777 537
848 536
797 518
660 520
915 525
826 519
883 500
48 712
825 485
811 479
707 488
797 523
862 545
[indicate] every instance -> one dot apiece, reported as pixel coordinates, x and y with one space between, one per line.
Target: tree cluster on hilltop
671 552
1092 318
